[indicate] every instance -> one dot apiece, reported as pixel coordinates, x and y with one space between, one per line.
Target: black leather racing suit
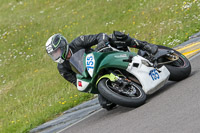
86 42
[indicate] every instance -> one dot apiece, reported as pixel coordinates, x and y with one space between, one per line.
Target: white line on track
80 120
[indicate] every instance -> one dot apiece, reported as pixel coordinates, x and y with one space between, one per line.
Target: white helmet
57 48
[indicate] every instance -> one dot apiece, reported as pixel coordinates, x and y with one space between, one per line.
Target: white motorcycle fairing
150 79
81 85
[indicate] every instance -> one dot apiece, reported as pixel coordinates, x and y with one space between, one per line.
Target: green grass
31 89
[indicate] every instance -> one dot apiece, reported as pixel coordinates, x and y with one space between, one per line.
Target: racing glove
120 40
101 45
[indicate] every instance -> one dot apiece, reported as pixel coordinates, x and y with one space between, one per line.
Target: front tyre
128 98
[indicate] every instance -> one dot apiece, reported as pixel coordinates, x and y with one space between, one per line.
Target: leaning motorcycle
126 78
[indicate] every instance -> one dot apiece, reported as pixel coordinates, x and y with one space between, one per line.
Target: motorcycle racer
58 48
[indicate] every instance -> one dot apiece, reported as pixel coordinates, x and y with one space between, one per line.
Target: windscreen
76 61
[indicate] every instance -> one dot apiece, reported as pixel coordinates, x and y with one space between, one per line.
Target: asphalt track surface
173 109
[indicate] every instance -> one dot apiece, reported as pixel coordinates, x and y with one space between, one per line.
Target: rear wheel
130 95
179 69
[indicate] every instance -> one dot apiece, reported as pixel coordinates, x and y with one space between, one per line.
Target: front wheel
128 96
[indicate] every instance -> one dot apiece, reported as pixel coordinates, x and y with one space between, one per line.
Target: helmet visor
55 55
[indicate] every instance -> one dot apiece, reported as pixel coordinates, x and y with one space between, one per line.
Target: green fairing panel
105 60
113 59
81 77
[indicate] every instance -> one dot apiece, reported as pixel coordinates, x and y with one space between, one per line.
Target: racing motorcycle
124 77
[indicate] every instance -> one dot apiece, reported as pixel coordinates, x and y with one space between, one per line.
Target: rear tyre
105 87
179 69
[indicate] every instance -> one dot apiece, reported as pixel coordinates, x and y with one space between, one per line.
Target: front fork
121 85
110 76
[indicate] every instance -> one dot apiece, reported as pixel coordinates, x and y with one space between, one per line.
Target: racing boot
151 48
145 46
105 103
